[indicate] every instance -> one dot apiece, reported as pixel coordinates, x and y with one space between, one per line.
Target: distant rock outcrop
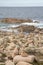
14 20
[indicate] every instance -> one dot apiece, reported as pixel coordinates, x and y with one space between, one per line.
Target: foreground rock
28 59
9 62
23 63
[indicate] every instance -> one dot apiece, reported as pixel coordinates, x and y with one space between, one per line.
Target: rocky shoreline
21 45
22 48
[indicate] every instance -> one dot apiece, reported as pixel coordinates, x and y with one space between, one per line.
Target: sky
21 3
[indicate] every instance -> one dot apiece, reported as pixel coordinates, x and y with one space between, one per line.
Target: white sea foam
5 27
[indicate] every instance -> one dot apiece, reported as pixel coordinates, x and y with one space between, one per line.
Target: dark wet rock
25 28
36 21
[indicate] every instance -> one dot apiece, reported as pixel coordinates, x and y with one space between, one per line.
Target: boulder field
20 48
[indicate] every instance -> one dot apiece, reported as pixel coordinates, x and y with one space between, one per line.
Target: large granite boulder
28 59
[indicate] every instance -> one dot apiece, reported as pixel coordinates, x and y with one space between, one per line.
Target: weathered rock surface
23 63
9 62
28 59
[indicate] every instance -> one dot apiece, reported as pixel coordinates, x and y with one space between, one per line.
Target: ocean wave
5 26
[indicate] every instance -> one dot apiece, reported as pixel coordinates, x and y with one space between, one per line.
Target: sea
34 13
